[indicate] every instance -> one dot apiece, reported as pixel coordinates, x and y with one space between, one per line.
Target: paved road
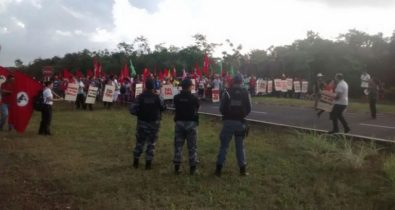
361 123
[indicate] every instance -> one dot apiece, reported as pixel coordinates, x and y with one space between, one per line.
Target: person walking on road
235 106
341 103
373 92
186 122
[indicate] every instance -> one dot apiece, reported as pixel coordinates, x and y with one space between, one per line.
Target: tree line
351 54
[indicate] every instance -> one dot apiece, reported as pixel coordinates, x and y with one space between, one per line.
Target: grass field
87 165
355 105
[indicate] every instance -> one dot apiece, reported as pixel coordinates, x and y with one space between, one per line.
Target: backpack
38 101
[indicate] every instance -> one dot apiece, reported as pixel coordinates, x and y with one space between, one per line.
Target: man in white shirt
341 103
365 78
46 112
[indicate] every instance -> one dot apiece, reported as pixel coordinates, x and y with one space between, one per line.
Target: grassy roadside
355 105
87 165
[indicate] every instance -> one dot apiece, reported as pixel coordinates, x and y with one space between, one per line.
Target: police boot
192 170
218 170
148 164
243 171
135 163
177 169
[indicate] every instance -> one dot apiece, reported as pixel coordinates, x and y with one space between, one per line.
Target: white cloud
18 22
63 33
252 23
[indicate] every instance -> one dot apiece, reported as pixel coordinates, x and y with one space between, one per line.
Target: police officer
148 109
186 122
235 106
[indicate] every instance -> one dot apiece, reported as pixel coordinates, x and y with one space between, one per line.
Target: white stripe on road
259 112
378 126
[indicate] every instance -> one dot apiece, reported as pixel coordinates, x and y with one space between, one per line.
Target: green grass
87 165
355 105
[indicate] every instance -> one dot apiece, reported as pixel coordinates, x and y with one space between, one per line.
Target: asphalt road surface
360 123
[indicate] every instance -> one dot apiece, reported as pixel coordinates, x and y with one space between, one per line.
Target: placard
297 87
269 86
289 83
305 86
139 89
261 86
326 101
108 93
71 92
215 95
193 91
284 85
91 96
167 92
278 85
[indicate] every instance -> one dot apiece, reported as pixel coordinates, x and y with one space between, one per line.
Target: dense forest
351 54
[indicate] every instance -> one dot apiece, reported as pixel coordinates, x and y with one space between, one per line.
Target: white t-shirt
365 80
342 91
47 94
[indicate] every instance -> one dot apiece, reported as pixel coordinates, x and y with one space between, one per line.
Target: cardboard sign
305 86
215 95
261 86
139 89
269 86
326 101
108 93
284 85
278 85
289 84
167 92
91 96
71 92
297 87
193 86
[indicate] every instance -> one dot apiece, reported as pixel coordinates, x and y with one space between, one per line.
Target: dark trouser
337 114
147 134
80 102
185 130
372 105
46 117
107 105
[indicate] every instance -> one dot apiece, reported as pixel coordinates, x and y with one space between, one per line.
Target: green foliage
351 54
87 165
389 168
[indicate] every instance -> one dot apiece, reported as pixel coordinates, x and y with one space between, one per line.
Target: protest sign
305 86
297 87
215 95
108 93
326 101
167 92
71 92
139 89
91 96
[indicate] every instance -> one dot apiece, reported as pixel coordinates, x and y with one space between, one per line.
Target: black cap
149 84
186 83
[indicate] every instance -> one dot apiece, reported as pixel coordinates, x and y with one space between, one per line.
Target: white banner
326 101
305 86
167 92
297 86
261 86
215 95
269 86
193 86
91 96
289 83
139 89
108 93
71 92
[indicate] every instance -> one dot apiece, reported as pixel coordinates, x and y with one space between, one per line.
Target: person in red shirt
6 90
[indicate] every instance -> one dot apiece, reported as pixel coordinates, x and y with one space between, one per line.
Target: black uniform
186 119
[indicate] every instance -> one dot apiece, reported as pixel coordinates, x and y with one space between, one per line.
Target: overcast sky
31 29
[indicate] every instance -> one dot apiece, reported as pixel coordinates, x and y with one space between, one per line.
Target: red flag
97 68
3 74
146 74
166 73
126 72
78 74
206 64
21 109
160 76
90 73
184 74
197 70
67 74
